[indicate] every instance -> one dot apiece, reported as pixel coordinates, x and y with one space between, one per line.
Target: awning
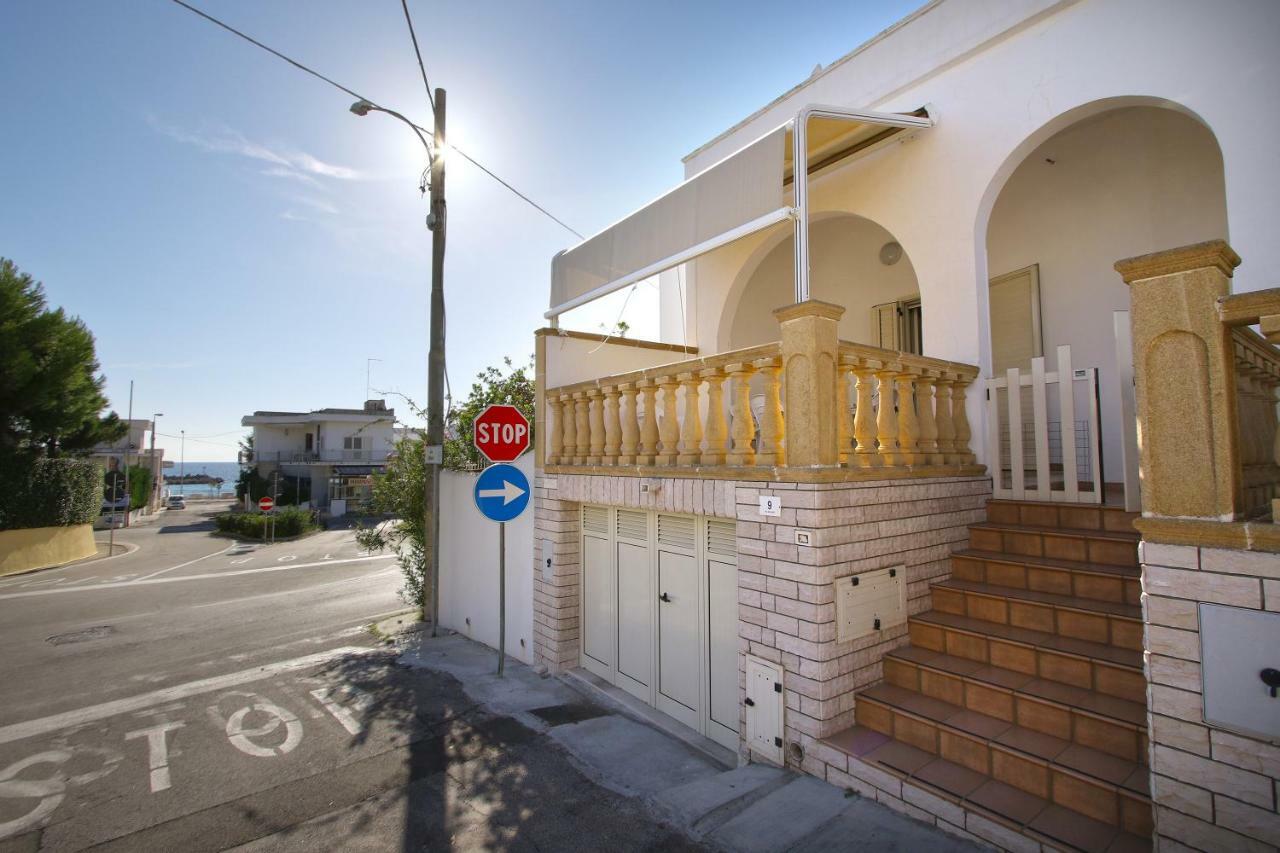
743 193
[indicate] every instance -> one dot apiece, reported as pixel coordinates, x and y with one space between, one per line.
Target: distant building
133 448
336 451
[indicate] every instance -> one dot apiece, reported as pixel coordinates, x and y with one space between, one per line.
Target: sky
237 240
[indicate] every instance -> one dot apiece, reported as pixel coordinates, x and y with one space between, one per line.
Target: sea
228 471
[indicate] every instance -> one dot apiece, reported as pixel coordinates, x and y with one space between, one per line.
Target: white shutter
884 325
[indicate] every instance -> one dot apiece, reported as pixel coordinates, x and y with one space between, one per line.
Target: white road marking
241 561
360 701
240 736
287 558
50 791
188 562
158 753
207 576
93 713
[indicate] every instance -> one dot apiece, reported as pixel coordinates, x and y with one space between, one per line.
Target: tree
514 387
51 397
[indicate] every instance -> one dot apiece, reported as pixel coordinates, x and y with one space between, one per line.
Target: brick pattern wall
1212 789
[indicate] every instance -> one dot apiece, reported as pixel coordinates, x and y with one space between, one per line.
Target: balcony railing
809 403
308 457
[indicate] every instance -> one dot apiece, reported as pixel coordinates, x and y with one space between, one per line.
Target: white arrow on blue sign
501 492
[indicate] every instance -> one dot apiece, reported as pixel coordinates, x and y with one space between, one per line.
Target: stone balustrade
1257 374
807 408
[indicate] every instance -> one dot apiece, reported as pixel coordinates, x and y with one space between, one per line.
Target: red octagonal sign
501 432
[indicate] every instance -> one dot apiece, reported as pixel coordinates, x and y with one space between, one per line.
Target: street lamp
182 462
155 469
435 360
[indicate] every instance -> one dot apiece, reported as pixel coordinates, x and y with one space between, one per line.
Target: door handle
1271 678
664 597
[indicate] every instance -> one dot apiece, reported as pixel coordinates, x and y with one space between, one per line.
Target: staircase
1021 696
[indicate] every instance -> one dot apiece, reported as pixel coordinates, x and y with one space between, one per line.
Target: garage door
659 613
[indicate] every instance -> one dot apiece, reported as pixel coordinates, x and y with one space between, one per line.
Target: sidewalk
754 808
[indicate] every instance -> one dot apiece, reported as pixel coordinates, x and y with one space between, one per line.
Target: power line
431 98
296 64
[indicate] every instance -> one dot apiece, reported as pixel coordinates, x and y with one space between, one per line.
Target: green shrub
289 521
139 486
37 492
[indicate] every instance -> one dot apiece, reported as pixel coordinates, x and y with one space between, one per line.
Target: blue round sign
502 492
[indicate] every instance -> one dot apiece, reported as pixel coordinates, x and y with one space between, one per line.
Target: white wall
1125 183
571 360
469 567
278 439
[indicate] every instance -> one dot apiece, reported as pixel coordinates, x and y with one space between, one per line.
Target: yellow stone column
630 425
773 430
595 421
556 433
581 429
612 427
649 427
946 426
810 350
928 420
669 427
1184 378
887 416
716 432
844 417
743 427
908 422
864 416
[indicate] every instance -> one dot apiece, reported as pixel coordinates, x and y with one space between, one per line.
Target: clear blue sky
237 240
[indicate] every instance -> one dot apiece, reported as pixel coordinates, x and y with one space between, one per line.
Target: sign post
266 504
501 491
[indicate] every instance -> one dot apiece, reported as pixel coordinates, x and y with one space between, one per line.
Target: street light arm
362 108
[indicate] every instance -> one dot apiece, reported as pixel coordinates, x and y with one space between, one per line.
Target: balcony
322 457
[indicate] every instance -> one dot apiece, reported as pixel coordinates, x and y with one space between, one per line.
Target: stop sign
501 433
265 504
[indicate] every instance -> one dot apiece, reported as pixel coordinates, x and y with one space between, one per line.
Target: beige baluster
887 416
946 426
557 432
908 421
772 450
864 417
595 449
744 426
717 427
669 428
612 427
691 428
963 455
844 417
630 425
582 429
929 454
649 428
570 429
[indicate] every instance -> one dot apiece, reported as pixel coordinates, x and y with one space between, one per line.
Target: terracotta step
1096 784
1121 584
1040 814
1065 615
1105 723
1079 663
1062 515
1081 546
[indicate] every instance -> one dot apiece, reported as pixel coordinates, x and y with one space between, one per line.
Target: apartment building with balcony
336 451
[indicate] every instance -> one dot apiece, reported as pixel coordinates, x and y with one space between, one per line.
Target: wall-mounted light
890 253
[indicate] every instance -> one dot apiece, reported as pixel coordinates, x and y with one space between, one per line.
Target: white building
870 506
337 451
134 448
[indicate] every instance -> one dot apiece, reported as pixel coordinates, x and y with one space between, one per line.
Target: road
201 694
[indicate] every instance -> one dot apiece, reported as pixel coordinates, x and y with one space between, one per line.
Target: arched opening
854 263
1121 180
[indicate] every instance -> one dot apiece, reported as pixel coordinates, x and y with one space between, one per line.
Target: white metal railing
1044 447
304 457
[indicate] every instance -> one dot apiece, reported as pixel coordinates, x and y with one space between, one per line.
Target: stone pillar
649 427
1184 377
864 417
595 421
630 425
612 427
581 429
744 428
773 429
716 433
810 350
556 433
669 426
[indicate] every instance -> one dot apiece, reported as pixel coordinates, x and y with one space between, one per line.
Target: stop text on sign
501 433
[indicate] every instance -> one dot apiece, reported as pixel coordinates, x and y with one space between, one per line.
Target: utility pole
156 471
436 222
128 442
182 462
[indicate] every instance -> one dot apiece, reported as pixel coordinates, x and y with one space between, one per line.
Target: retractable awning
745 192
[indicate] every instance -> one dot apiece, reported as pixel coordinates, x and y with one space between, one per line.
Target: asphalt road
198 694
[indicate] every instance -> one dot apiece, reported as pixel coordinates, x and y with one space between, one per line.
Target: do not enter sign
265 504
501 433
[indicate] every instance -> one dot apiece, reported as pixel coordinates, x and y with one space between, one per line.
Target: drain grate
97 632
571 712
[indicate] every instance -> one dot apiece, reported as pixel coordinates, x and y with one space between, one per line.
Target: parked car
176 502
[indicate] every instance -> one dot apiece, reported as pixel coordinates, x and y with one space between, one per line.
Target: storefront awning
745 192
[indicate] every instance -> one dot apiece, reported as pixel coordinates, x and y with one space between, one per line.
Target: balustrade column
669 428
887 416
772 427
630 425
928 421
864 418
691 429
744 427
582 429
595 448
844 417
946 426
612 427
557 433
649 428
963 455
908 422
717 428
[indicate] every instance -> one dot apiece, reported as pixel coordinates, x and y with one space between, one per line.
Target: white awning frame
799 213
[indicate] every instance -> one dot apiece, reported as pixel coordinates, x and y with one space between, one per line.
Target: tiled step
1120 584
1082 546
1105 723
1102 786
1062 515
1079 663
1065 615
1062 808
